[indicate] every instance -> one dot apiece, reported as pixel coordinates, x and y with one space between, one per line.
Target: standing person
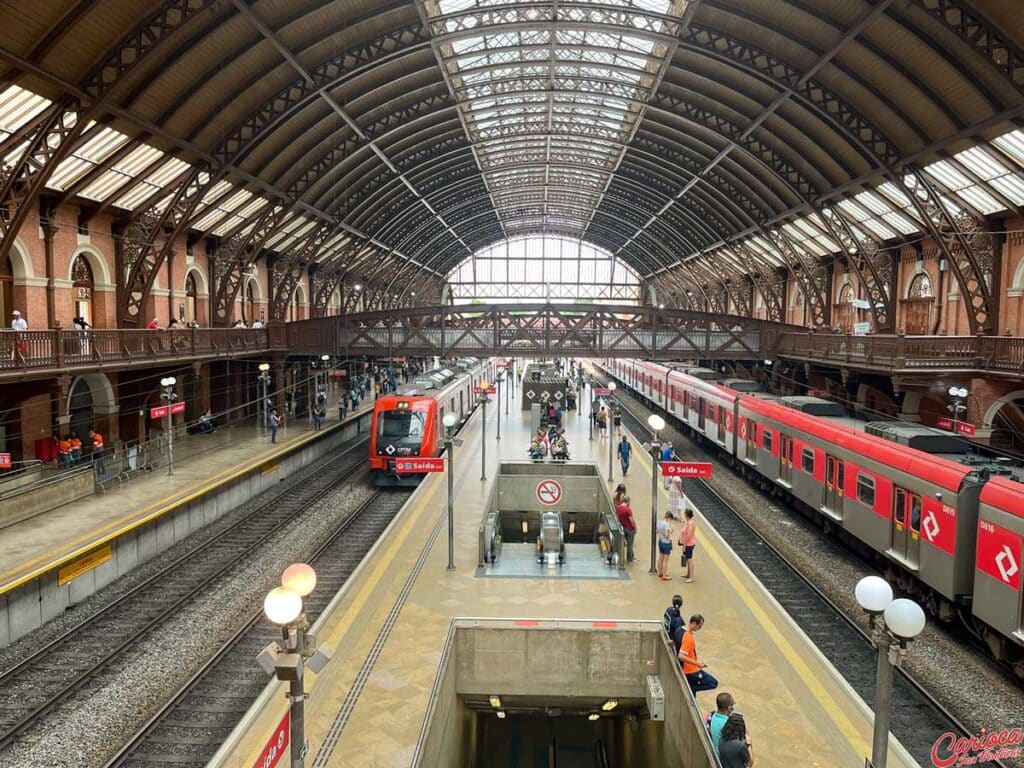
274 422
724 705
153 325
317 418
97 452
76 449
620 492
625 514
734 749
666 455
664 546
693 669
617 420
676 497
625 450
673 619
341 405
688 540
18 323
602 421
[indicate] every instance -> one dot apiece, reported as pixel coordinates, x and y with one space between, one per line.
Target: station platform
33 552
391 622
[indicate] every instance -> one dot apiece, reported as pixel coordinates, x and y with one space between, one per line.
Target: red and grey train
949 522
407 424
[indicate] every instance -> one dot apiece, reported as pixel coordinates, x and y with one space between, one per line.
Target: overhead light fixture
526 526
609 705
593 716
572 527
495 701
501 714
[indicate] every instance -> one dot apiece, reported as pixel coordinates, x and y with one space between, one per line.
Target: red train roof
934 469
1005 494
391 401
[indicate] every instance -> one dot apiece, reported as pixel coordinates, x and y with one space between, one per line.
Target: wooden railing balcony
996 354
29 354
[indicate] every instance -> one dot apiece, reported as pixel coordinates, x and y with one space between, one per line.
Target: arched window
920 286
191 298
846 294
82 287
6 290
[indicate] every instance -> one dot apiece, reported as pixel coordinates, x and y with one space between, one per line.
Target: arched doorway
917 307
1006 418
845 314
249 307
83 286
6 290
191 298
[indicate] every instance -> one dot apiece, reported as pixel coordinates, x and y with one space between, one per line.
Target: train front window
401 424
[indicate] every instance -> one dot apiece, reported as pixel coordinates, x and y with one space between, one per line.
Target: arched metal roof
715 146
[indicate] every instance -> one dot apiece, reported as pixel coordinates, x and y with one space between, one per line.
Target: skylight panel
158 180
1012 144
86 158
19 107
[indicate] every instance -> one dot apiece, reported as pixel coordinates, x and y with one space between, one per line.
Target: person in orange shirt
97 451
64 451
693 669
76 449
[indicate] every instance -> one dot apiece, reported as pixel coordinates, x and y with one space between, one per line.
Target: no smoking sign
549 492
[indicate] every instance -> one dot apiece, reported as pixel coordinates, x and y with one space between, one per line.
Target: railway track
38 683
190 728
918 718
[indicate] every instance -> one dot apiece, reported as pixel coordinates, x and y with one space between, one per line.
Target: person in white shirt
257 323
18 323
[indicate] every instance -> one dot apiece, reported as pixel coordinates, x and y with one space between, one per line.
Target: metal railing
982 353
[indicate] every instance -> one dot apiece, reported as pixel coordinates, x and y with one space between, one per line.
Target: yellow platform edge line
162 507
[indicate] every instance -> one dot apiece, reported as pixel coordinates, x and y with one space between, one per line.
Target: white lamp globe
612 386
961 392
655 422
904 618
449 420
873 594
300 578
282 606
952 391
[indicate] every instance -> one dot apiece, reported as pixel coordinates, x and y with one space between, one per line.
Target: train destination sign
161 410
686 468
419 465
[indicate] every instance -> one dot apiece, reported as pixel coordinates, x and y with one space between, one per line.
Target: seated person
206 423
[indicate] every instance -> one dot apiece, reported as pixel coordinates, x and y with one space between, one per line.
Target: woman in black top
734 751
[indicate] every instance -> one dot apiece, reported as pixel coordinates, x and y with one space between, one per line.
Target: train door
462 409
906 525
833 503
721 425
786 459
750 427
701 411
686 405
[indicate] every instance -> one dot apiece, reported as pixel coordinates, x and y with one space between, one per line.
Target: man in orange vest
64 451
97 452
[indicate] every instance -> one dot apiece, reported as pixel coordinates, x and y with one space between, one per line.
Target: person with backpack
673 619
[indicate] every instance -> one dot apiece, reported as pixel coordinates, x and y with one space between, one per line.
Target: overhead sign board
419 465
686 468
161 410
962 427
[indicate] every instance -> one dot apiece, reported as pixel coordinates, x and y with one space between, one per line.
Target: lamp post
449 446
894 623
169 396
656 423
497 408
264 380
958 394
289 657
483 430
508 386
611 441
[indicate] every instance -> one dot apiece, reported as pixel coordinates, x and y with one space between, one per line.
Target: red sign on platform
5 461
602 391
485 390
686 468
963 427
277 745
419 465
161 410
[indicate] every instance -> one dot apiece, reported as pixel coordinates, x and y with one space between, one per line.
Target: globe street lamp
894 623
288 657
169 396
656 423
484 386
264 379
612 386
958 394
449 421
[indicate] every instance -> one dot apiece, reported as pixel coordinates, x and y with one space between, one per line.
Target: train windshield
401 424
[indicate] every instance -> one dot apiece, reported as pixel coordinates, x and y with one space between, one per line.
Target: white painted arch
21 264
993 409
98 262
202 287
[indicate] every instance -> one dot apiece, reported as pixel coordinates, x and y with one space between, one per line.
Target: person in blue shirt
666 455
725 704
625 450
